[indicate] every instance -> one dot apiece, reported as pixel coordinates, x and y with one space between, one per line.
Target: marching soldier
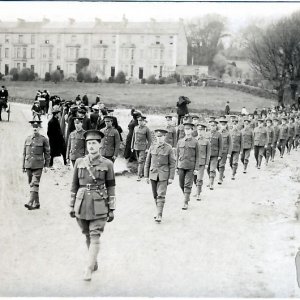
204 156
276 137
247 144
110 144
237 142
297 132
260 142
93 196
160 169
36 156
140 143
171 136
291 135
226 147
195 121
283 136
270 142
187 162
216 146
180 129
76 142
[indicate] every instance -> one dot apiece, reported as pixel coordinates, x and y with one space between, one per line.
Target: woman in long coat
56 139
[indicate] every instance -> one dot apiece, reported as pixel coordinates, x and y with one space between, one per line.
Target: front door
141 73
112 72
6 69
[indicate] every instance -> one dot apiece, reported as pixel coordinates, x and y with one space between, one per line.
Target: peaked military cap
195 117
201 125
213 121
270 120
189 124
162 131
223 119
168 116
93 134
95 107
82 111
55 111
110 110
110 118
142 116
77 118
35 123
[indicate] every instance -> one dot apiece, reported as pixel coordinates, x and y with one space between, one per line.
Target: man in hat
36 110
76 142
283 136
247 144
237 142
94 116
297 131
216 146
36 156
291 134
227 108
270 142
93 196
110 144
195 121
56 139
276 137
226 147
160 169
260 142
180 130
182 107
204 156
140 143
115 123
187 162
86 122
171 136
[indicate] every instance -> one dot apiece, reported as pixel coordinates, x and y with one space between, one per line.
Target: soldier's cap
201 125
188 124
275 119
95 107
35 124
78 118
136 112
82 111
168 116
82 106
247 120
142 117
213 121
74 107
292 118
55 111
212 117
270 120
195 117
109 118
110 110
260 120
235 120
161 131
284 118
233 116
222 120
93 134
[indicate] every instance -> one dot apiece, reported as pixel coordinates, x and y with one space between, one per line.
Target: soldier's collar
95 160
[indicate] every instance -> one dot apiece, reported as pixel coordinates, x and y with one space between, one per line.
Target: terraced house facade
140 49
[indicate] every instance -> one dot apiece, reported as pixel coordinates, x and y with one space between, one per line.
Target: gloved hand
72 213
110 216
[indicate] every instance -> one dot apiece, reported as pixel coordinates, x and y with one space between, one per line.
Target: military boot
245 167
233 172
221 177
186 201
199 190
259 162
160 208
32 200
211 183
92 261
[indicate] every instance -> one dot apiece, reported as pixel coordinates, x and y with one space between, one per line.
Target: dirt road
240 241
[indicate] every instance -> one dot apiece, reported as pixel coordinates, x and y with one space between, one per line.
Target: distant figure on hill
182 108
244 111
227 108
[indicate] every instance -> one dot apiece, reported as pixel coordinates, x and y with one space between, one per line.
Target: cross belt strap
89 169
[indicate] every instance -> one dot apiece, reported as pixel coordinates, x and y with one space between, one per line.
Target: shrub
47 76
56 76
80 76
143 80
170 79
110 79
26 75
120 78
96 79
162 80
151 79
14 73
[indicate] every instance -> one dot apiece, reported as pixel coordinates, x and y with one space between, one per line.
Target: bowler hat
93 134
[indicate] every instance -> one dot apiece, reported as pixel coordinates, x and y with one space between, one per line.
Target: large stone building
139 49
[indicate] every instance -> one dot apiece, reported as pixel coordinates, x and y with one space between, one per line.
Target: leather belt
93 186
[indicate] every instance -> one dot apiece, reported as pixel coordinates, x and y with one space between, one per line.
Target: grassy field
154 98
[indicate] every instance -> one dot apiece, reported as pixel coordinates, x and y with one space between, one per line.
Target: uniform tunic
171 136
76 145
110 143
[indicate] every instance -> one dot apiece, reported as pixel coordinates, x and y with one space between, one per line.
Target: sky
237 14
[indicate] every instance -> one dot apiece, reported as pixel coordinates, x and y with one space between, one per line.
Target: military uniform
297 133
93 199
291 137
270 143
276 139
282 138
141 141
180 132
110 144
237 142
160 167
76 145
226 150
187 162
204 156
260 141
247 145
36 156
171 137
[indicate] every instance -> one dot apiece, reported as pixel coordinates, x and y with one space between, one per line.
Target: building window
46 41
104 53
85 51
32 52
24 52
58 53
73 38
126 53
32 68
160 71
77 52
7 38
6 53
18 52
113 40
141 53
18 66
20 39
155 54
103 69
44 54
32 39
50 52
72 53
50 67
157 40
131 70
132 53
128 38
100 42
161 53
24 65
171 40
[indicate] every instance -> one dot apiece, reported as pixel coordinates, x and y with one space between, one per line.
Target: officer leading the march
93 196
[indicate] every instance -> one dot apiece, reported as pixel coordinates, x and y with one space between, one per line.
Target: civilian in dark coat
56 140
86 122
127 152
85 100
227 109
182 108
